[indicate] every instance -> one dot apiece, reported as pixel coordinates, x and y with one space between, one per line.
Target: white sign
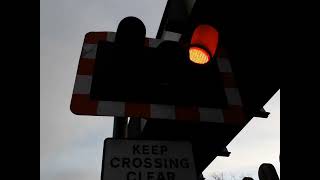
147 160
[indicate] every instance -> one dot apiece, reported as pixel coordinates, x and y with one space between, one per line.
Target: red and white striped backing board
81 104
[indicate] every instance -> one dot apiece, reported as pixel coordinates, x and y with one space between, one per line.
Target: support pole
119 127
134 128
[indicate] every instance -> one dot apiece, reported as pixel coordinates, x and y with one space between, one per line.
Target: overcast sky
70 145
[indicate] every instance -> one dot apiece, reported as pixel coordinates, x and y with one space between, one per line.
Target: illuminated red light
203 36
198 55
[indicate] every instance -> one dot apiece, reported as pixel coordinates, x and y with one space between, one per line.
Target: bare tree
217 176
221 176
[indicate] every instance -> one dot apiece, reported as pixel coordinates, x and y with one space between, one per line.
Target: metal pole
119 127
134 128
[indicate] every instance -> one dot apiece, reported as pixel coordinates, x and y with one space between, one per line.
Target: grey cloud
64 137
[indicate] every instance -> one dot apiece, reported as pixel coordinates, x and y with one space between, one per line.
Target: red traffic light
198 55
204 43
